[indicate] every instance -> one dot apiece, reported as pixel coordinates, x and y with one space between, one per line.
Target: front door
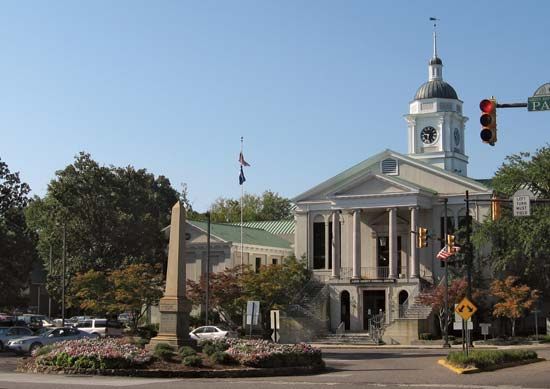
374 302
344 309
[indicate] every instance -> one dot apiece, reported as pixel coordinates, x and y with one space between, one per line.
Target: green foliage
141 342
43 350
425 336
163 351
483 359
130 289
148 331
112 215
210 347
192 360
545 339
520 245
268 206
185 351
16 239
222 358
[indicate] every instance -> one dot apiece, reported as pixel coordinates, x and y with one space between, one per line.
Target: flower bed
104 353
489 359
261 353
223 358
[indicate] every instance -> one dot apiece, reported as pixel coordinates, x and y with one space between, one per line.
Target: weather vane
435 20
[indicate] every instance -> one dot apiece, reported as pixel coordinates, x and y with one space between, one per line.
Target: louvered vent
389 166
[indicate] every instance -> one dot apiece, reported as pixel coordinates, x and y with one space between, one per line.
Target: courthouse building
357 229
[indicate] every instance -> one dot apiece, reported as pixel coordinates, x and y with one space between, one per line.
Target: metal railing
366 273
341 329
376 327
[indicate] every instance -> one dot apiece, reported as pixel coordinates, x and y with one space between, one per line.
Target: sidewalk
426 346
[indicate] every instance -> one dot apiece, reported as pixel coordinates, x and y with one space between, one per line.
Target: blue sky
313 86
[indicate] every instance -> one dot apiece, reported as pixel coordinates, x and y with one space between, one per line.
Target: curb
227 373
472 370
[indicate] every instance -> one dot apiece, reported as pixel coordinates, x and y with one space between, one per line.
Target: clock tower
435 121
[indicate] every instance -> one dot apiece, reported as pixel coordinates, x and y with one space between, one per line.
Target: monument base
174 322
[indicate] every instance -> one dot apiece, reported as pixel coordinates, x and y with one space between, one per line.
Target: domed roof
436 61
435 89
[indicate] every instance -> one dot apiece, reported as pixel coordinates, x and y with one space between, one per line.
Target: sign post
485 329
252 313
275 325
465 310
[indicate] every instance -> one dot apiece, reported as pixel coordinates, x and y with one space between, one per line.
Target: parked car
28 344
8 333
101 327
35 322
212 332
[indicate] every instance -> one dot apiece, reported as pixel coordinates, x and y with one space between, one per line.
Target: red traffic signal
488 120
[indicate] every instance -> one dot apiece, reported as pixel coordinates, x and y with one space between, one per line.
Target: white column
327 244
393 242
356 244
336 244
413 263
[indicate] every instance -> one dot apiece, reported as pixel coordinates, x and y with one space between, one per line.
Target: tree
225 293
268 206
275 286
520 246
132 289
110 214
17 242
435 298
514 300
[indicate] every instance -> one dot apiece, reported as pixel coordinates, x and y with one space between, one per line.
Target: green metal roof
253 236
277 227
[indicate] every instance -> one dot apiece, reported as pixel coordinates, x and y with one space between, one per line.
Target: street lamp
207 268
446 333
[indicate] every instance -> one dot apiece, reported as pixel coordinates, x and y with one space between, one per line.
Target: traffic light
495 208
450 243
422 237
488 120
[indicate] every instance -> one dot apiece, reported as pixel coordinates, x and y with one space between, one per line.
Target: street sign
465 308
252 312
457 324
540 101
275 336
275 323
522 202
485 328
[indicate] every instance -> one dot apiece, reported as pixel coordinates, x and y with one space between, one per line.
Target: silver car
9 333
212 332
28 344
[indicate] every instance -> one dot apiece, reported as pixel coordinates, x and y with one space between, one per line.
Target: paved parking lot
386 368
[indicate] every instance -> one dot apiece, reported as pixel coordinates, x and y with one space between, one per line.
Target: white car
100 327
212 332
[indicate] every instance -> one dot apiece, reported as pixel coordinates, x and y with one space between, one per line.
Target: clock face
428 135
456 135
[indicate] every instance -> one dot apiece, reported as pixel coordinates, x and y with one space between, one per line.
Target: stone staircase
417 311
405 328
352 338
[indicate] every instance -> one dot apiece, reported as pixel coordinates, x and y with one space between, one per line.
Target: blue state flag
242 178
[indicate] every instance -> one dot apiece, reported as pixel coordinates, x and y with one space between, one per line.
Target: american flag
444 254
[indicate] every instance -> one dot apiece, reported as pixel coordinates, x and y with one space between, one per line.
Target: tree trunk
513 327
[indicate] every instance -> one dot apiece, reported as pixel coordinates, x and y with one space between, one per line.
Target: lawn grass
486 359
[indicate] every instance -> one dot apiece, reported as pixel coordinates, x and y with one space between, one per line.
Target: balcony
367 273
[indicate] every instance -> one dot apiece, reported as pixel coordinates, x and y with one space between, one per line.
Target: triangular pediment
412 176
372 184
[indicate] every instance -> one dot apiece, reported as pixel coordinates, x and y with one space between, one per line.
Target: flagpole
242 193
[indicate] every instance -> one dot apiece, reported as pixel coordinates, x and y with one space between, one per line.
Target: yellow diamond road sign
465 309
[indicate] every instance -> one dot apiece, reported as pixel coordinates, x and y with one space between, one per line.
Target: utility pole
64 258
207 269
468 254
50 273
446 332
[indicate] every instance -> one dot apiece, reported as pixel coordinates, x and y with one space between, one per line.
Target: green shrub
192 360
425 336
43 350
483 359
141 342
186 351
545 339
209 347
148 331
222 358
163 351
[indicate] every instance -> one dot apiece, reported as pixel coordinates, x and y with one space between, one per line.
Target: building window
319 245
389 166
258 264
274 261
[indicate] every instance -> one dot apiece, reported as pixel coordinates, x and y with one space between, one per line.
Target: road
359 368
